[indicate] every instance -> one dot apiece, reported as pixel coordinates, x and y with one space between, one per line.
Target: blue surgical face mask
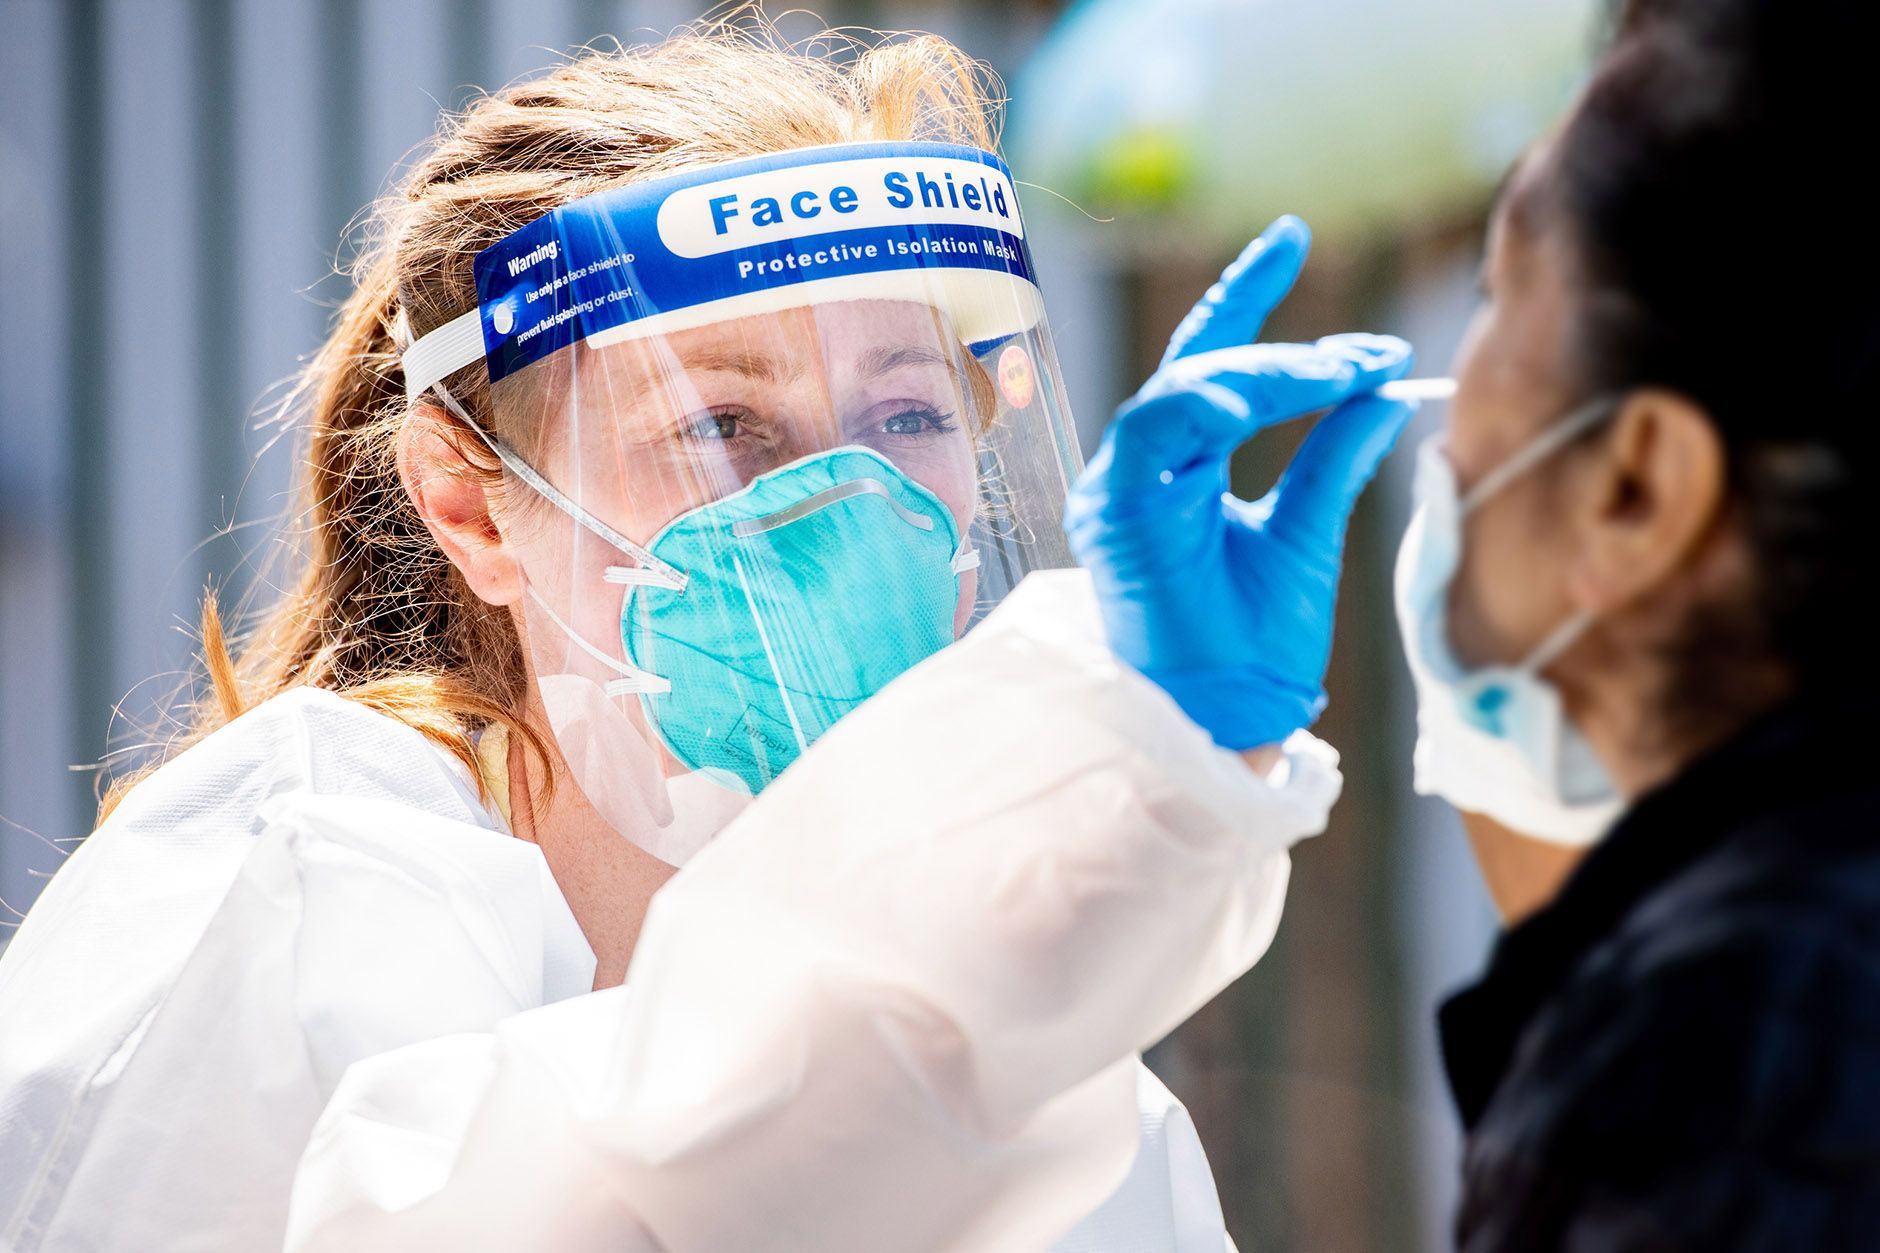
803 594
1494 740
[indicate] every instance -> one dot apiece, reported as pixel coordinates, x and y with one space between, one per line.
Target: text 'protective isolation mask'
1495 740
796 423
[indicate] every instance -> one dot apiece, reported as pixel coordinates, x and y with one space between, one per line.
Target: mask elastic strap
659 574
633 680
1539 449
964 558
1558 641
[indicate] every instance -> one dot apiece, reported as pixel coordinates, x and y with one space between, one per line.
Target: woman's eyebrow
755 365
668 367
878 361
773 369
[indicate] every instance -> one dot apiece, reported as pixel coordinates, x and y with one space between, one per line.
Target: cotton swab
1418 389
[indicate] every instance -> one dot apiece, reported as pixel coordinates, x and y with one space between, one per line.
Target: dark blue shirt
1682 1050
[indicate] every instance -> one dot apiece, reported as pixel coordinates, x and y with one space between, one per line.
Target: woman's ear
1659 487
449 494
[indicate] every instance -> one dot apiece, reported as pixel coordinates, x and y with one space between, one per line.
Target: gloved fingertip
1289 226
1376 359
1363 345
1233 309
1284 243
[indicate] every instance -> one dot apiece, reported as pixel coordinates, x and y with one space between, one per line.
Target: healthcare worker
1631 600
688 398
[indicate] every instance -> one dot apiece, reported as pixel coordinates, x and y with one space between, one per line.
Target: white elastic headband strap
441 352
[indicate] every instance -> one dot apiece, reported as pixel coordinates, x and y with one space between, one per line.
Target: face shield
773 432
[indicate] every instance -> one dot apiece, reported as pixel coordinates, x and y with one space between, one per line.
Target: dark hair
1708 184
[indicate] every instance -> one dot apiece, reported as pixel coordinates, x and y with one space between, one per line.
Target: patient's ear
449 494
1662 489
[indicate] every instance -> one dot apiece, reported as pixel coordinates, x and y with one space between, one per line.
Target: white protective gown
304 987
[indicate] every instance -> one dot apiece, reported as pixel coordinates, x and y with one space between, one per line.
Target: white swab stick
1418 389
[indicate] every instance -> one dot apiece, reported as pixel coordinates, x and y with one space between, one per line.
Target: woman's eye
717 426
914 422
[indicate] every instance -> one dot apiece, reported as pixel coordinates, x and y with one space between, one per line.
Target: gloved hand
1227 603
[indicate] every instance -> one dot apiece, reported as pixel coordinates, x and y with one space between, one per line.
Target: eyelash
690 428
936 422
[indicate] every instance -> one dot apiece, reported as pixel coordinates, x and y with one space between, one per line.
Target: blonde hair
376 611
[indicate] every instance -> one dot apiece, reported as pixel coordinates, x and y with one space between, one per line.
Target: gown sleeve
896 1004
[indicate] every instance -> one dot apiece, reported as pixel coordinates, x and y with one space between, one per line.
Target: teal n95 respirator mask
777 430
1494 740
843 572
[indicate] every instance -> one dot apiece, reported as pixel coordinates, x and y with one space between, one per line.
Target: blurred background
176 184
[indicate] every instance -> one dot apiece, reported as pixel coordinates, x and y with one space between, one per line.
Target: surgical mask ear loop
1539 449
1558 641
656 573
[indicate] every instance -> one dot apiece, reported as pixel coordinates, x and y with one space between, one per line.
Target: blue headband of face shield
721 241
751 623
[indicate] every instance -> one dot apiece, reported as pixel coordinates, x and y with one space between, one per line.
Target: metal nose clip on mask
800 422
1495 740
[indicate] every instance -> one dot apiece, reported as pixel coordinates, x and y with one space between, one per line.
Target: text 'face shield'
778 430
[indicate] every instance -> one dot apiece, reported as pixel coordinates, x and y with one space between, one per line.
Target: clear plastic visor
734 533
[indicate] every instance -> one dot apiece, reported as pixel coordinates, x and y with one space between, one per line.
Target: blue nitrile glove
1226 603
